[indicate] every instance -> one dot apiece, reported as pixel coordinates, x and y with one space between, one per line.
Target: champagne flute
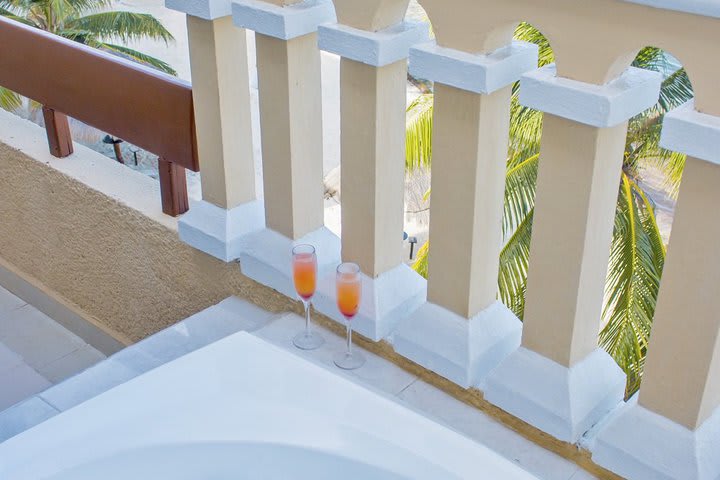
349 290
305 279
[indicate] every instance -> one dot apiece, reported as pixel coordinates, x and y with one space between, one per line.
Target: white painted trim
285 23
483 73
688 131
219 232
373 48
607 105
706 8
267 257
564 402
205 9
638 443
386 300
460 349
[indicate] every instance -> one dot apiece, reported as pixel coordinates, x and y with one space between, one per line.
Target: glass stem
307 318
349 338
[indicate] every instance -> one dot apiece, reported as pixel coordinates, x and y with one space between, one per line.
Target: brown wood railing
140 105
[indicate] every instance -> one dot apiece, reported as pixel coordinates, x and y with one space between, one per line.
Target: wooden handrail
130 101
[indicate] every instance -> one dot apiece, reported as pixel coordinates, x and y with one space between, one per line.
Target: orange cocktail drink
348 295
348 287
304 266
305 274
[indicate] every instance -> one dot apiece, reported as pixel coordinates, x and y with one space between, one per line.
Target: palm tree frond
421 261
139 57
418 133
636 261
123 26
9 100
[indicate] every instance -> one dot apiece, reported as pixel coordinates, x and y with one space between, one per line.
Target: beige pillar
577 191
221 94
372 99
373 149
682 373
470 143
291 121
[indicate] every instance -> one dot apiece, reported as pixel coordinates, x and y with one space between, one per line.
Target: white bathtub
244 409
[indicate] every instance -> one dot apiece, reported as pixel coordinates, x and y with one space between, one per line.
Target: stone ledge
285 23
386 300
372 48
267 257
460 349
483 73
219 232
564 402
688 131
600 106
638 443
205 9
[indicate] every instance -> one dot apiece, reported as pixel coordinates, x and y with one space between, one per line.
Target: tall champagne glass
349 291
305 279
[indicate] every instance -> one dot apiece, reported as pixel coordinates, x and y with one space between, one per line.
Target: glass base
308 341
349 361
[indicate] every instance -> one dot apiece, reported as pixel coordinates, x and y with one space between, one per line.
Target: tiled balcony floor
35 351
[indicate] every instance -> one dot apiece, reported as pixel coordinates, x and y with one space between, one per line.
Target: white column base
219 232
461 350
267 257
386 300
564 402
638 444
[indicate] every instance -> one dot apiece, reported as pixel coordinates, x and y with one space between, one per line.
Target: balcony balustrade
548 371
149 109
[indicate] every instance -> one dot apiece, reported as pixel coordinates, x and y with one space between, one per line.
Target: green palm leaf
636 262
122 26
9 100
418 133
139 57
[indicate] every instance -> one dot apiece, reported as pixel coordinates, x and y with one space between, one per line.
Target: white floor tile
8 301
8 358
19 383
72 363
37 338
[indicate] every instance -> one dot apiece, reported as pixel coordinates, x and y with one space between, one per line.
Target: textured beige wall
372 15
593 40
116 265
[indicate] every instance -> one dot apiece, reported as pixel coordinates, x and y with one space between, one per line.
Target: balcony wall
91 233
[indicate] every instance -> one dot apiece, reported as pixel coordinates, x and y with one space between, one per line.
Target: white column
373 85
291 129
221 94
673 431
462 332
560 380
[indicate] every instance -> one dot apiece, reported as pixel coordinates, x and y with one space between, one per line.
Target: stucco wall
91 231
